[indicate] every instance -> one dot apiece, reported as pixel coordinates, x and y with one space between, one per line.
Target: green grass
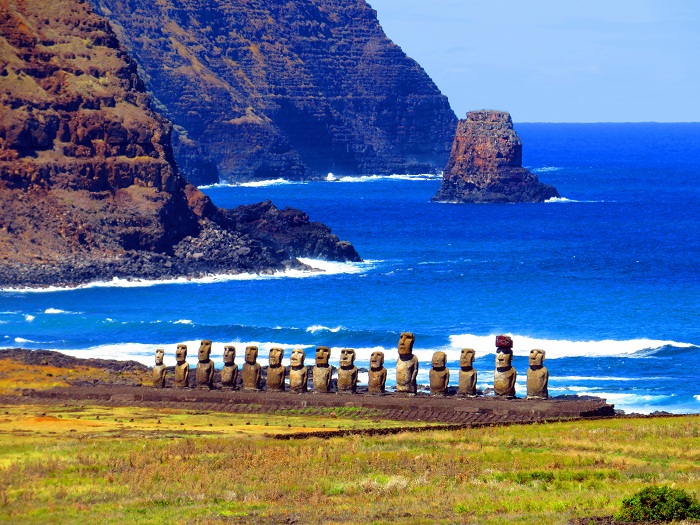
192 467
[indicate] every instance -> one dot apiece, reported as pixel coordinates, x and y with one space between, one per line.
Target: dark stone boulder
486 164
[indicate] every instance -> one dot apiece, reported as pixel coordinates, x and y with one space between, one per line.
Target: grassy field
86 464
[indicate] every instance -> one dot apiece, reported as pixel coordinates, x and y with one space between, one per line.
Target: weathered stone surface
267 89
322 372
504 341
537 376
467 374
204 374
252 371
182 368
485 164
406 365
347 373
229 373
439 375
377 374
89 187
298 373
504 376
275 371
159 370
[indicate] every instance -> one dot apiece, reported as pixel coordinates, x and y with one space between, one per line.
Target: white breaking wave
557 348
564 199
29 318
57 311
375 178
183 321
23 340
545 169
320 328
319 268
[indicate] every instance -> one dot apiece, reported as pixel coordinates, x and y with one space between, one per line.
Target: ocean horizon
605 279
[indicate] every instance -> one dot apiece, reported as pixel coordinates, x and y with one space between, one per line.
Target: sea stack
486 164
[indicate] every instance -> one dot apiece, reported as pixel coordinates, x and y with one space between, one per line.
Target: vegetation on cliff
87 178
265 89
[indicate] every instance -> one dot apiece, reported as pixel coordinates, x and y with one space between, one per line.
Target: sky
556 60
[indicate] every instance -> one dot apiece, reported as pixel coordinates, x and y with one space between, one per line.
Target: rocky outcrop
266 89
88 185
486 164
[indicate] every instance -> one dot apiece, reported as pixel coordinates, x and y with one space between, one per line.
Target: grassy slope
119 465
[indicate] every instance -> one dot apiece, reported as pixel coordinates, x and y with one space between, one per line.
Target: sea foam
560 348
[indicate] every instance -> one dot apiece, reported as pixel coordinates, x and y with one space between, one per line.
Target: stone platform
449 410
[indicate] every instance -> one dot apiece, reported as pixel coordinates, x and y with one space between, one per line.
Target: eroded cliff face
485 164
264 89
88 185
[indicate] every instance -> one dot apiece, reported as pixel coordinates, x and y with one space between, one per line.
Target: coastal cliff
486 164
266 89
88 184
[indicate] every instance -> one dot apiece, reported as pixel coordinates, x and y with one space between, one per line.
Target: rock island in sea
88 184
486 162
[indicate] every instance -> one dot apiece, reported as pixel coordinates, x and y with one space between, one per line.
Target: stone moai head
181 354
504 359
376 361
251 354
504 342
347 358
204 350
406 343
536 358
439 361
297 358
229 355
323 353
466 358
276 355
159 356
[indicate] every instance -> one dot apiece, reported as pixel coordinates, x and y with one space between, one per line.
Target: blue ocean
606 279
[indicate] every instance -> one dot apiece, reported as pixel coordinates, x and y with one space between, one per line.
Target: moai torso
159 370
439 375
204 375
377 374
182 368
406 365
537 376
467 374
275 371
504 376
322 372
229 373
347 373
298 373
252 371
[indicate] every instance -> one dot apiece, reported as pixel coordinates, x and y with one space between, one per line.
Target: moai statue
537 376
205 367
275 372
504 376
439 375
406 365
298 373
229 373
159 370
322 372
347 373
252 371
377 374
182 368
467 374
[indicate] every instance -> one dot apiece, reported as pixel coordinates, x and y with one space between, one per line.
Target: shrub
659 503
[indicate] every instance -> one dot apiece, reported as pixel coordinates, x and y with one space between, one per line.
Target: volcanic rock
265 89
88 184
486 164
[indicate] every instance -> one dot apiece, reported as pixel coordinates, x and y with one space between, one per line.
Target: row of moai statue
251 376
